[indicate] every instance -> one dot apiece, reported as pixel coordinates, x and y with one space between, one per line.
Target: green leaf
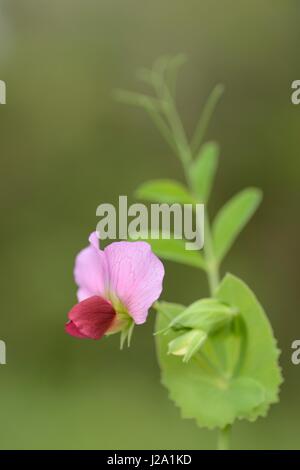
232 377
165 191
232 218
174 250
203 169
206 116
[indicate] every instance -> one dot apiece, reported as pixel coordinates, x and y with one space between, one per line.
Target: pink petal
94 240
135 276
90 318
90 270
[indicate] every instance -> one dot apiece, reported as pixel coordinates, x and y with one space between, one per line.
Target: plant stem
185 155
224 438
212 267
185 152
213 276
183 147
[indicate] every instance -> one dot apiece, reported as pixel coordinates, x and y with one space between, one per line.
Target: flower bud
188 344
208 315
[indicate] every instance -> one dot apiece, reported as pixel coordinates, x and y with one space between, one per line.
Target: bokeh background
66 146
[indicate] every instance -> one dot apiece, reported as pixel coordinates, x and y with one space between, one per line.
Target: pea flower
117 286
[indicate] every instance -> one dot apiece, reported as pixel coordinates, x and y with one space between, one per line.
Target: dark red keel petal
72 330
90 318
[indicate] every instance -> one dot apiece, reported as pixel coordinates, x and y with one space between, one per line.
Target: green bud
188 344
208 315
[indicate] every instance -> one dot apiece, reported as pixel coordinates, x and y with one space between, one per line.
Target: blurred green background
66 146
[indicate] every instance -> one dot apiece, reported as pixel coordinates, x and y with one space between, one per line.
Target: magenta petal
90 318
135 276
90 270
72 330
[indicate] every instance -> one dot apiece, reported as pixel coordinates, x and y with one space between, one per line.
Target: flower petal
72 330
135 276
90 318
90 270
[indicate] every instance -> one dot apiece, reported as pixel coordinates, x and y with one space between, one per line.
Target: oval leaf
203 169
232 218
165 191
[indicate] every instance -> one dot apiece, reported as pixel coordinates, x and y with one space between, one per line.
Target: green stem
163 128
172 116
212 267
185 154
212 270
224 438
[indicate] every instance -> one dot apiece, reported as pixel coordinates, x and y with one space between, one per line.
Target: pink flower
117 286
